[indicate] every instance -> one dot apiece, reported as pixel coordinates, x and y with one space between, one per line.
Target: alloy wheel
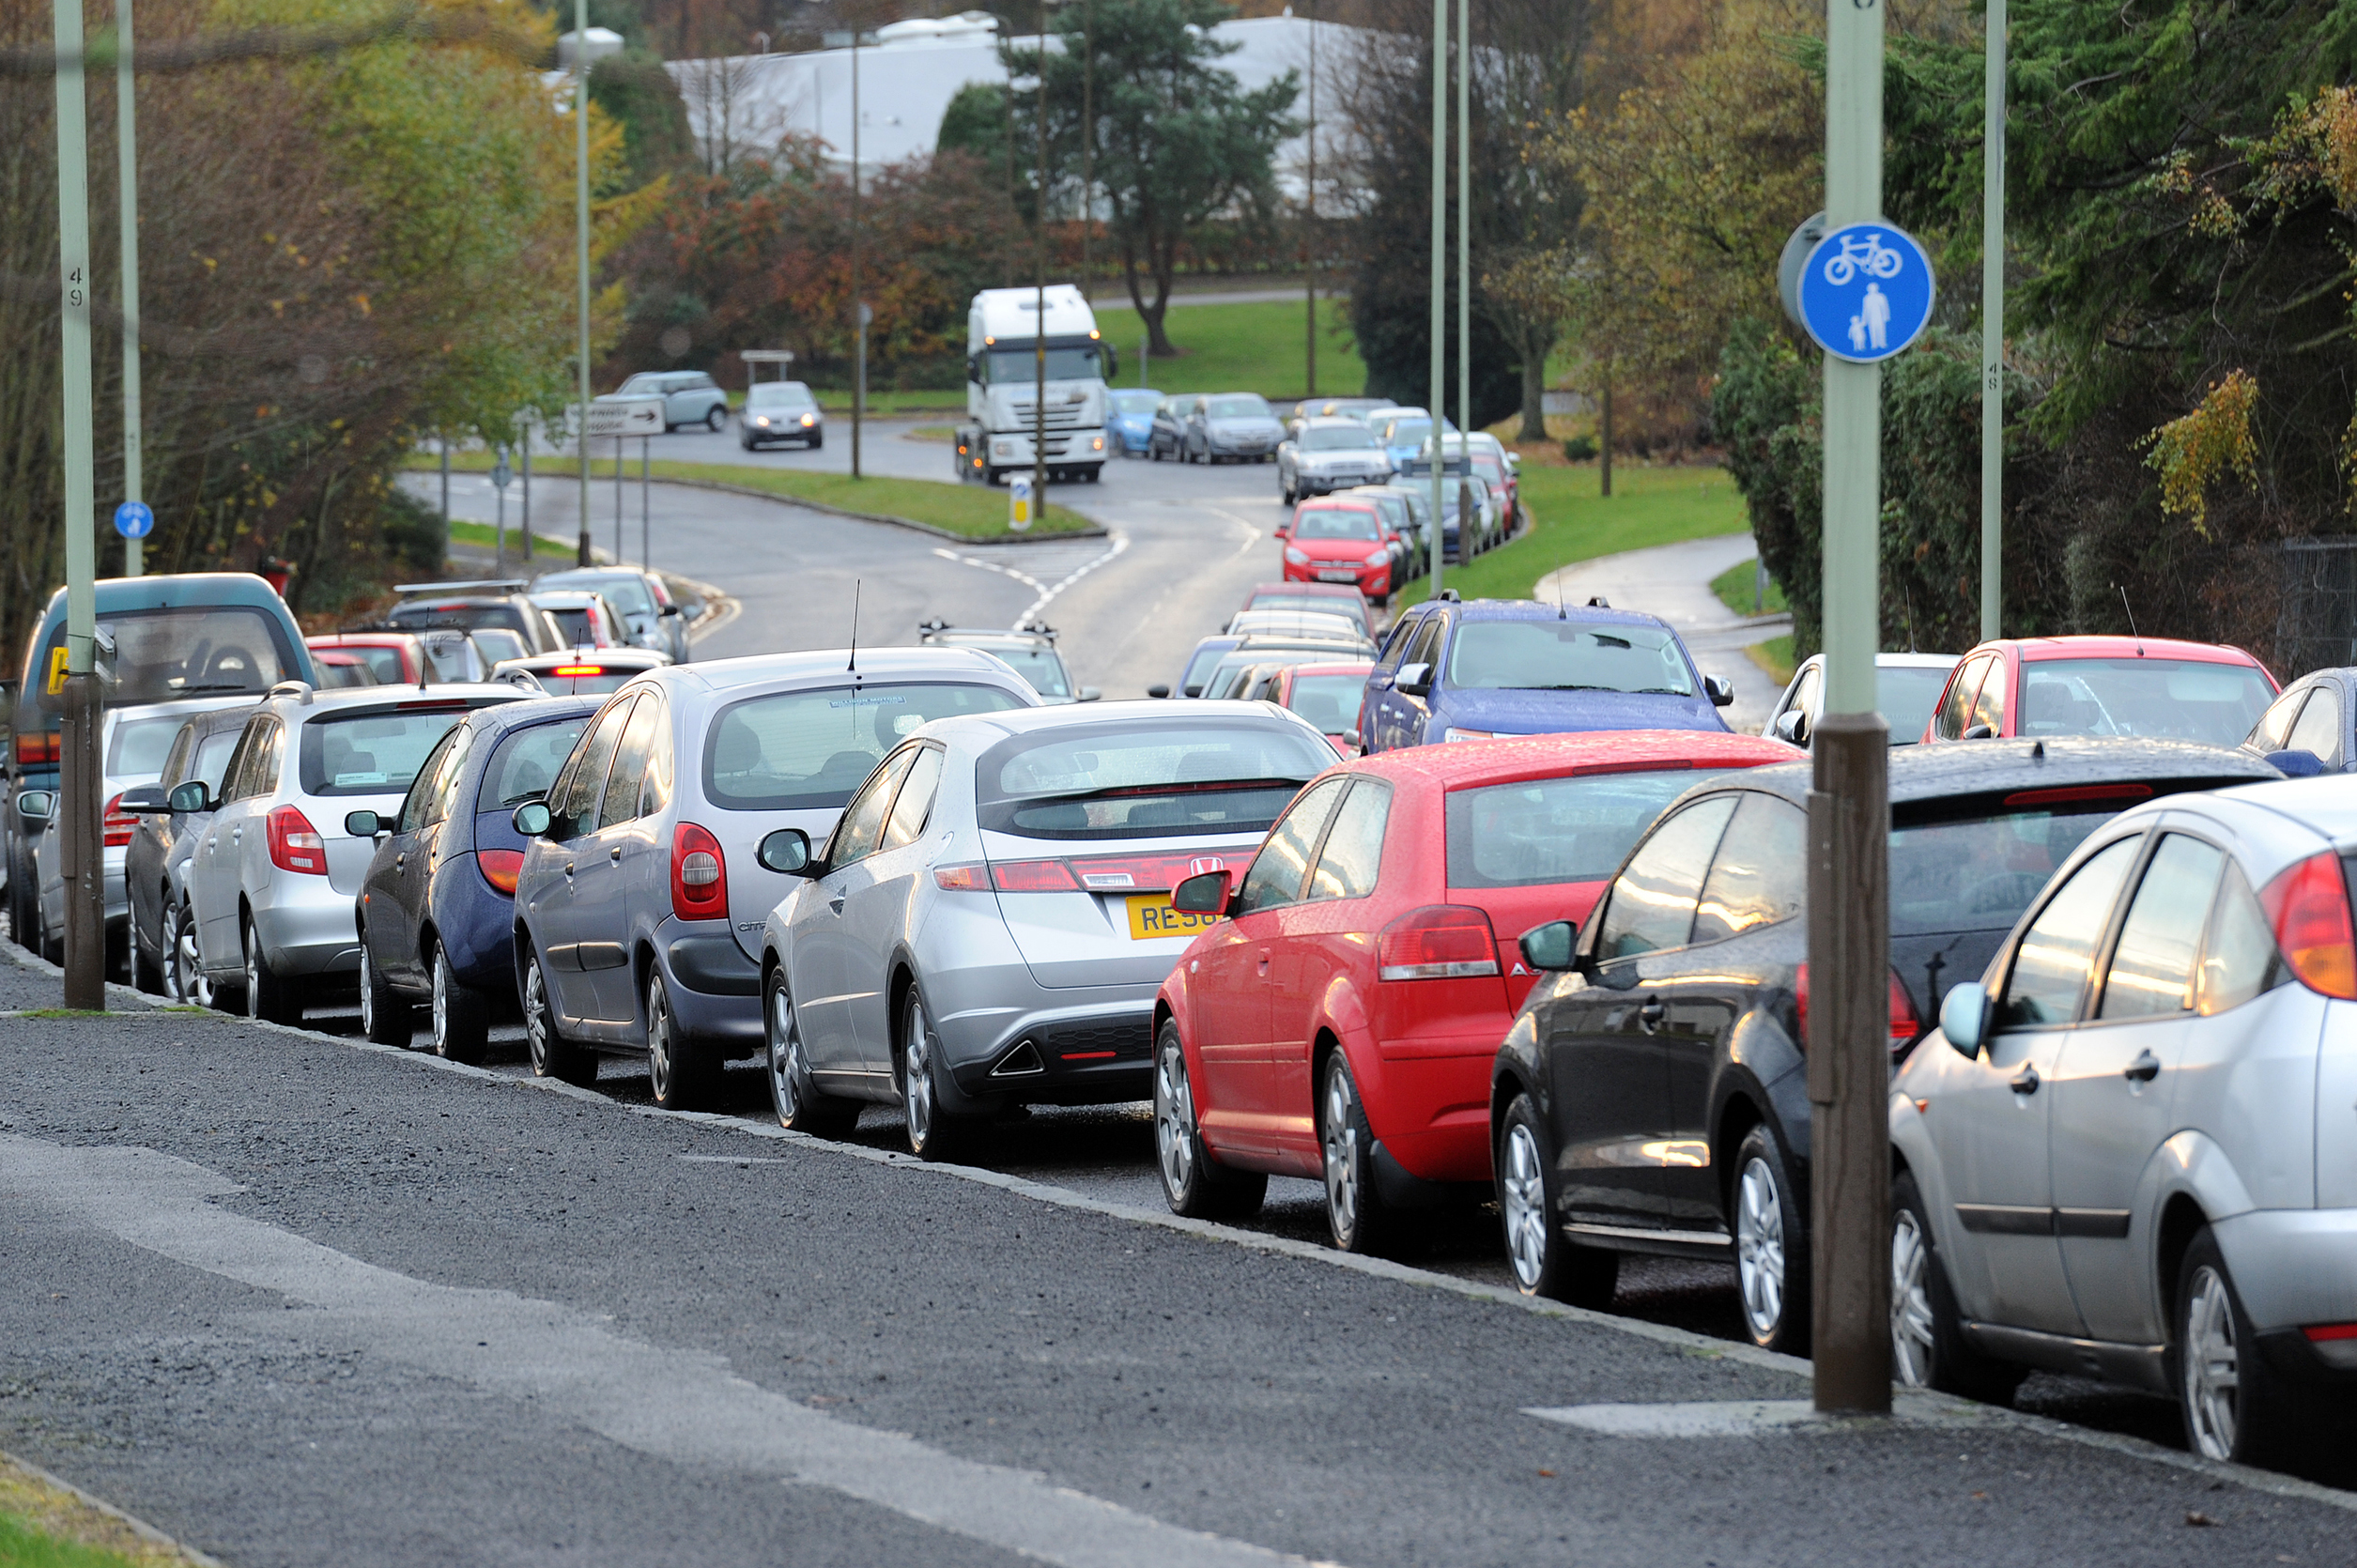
785 1055
1522 1192
1760 1248
662 1050
536 1017
252 974
916 1076
1174 1118
1910 1302
1339 1137
367 991
183 969
441 1003
2212 1365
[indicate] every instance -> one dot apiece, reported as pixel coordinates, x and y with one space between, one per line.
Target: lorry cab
1036 370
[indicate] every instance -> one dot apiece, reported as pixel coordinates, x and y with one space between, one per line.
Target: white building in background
747 103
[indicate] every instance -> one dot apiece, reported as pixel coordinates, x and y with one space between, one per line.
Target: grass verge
1648 506
1261 347
41 1527
485 536
1737 587
973 510
1774 656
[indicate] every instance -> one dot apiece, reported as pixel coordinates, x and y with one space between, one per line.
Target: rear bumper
1431 1113
2294 1266
714 990
1372 581
1021 1043
306 928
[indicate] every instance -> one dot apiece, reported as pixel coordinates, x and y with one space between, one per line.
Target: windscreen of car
338 672
500 642
2189 699
1338 438
574 623
628 594
1245 405
1907 695
1206 659
1135 402
139 747
1013 366
163 653
1038 666
808 750
780 394
383 661
527 761
372 752
1335 523
1261 658
1978 875
1328 702
1145 779
1564 655
1549 830
1401 432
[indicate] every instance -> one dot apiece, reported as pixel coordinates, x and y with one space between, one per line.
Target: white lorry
1003 331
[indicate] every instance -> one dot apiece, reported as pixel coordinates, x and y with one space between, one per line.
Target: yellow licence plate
1150 915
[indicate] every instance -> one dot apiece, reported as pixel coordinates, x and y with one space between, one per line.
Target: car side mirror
1413 679
1964 1017
191 796
1093 693
1158 690
2296 764
786 851
1793 727
144 800
532 819
973 369
365 824
668 610
1205 893
1196 690
1721 690
1285 529
35 806
1549 947
1979 732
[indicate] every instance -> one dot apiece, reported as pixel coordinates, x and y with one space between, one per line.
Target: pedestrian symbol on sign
1865 293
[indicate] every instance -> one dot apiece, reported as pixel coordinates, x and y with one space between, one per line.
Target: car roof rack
927 630
486 585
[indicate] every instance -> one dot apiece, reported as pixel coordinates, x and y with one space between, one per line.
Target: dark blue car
436 907
1467 671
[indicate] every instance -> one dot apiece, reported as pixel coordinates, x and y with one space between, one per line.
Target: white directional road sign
625 416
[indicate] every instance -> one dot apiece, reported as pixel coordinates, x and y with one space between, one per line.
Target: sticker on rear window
864 701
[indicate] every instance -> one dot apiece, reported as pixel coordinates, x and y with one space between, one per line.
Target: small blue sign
1865 292
132 521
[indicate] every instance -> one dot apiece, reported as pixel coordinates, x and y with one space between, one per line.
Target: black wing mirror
144 800
1721 690
786 851
532 819
1158 690
1549 947
1205 893
194 795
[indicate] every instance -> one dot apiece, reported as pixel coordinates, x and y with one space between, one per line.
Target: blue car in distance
1129 420
1470 670
1405 432
436 906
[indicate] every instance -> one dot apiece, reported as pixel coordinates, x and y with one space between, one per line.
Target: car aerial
639 905
1340 541
1906 688
1339 1019
1473 670
1403 515
592 672
436 912
1325 694
2123 1155
2103 686
689 398
469 607
1327 454
1131 418
1029 649
649 615
174 635
781 412
2310 719
274 918
1676 1010
1229 427
990 917
1405 432
155 866
584 620
1328 598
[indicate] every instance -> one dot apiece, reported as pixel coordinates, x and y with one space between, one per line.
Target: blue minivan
1470 671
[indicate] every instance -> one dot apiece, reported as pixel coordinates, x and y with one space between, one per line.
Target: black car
155 863
1651 1097
470 606
436 909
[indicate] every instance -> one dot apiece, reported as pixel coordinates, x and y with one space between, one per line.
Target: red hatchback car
2040 686
1339 541
1339 1021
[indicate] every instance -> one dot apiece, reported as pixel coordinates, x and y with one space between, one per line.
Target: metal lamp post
581 254
127 187
79 776
1993 332
1440 264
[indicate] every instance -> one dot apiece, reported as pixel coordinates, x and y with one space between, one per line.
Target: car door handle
400 860
568 867
2144 1069
237 836
2026 1082
1649 1016
614 855
1264 961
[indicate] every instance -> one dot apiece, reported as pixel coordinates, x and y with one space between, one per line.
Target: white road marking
681 1405
1034 554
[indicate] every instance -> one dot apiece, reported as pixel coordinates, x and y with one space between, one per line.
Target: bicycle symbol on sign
1869 256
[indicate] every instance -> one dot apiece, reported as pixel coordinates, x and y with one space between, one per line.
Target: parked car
1500 467
1254 658
2312 719
341 669
592 672
638 904
1342 542
1906 688
1213 650
1233 679
1168 436
1479 668
1329 454
273 916
649 616
1324 693
1404 434
2124 1155
781 412
1651 1097
1455 494
689 398
1228 428
436 913
1469 487
989 920
2103 685
1404 515
1130 422
176 634
1338 1018
584 620
1326 598
1356 409
1283 622
1030 650
469 607
404 658
155 866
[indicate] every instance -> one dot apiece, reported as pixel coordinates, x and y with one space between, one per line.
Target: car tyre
2235 1405
1545 1261
386 1016
800 1106
1927 1347
678 1070
934 1131
716 418
269 996
1771 1245
1356 1218
147 974
818 443
552 1054
1195 1185
184 978
461 1014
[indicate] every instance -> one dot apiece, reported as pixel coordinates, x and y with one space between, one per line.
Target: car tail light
118 827
1904 1027
501 868
700 875
962 879
1033 876
578 670
39 746
295 844
1442 942
2308 906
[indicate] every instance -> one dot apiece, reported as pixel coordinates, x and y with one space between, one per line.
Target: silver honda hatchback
639 907
990 919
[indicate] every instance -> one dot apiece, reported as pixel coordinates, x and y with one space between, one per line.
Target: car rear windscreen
139 747
463 616
1979 873
163 653
1038 666
1347 606
1566 656
2189 699
371 752
1906 694
526 763
1145 780
1335 522
1328 702
1549 830
574 623
381 662
808 750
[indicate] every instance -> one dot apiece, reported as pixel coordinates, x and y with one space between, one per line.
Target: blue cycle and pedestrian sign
1865 292
134 520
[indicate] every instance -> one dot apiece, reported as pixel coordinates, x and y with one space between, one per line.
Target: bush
1579 448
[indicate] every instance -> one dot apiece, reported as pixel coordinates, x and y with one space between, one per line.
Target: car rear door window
861 827
2151 972
2241 959
1352 860
2050 966
1761 872
528 761
2275 722
1988 709
2318 732
1652 903
914 803
1278 869
623 785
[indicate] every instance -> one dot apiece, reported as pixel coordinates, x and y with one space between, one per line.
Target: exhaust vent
1022 1062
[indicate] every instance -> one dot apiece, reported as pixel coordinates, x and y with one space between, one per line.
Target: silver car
689 398
638 906
1326 454
273 876
2127 1151
647 611
990 918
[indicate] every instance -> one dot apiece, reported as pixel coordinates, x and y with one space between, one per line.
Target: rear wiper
1563 688
235 685
1189 786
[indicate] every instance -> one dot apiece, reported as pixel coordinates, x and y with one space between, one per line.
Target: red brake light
578 670
118 827
501 868
1034 876
39 746
962 879
295 844
2321 1333
1903 1026
700 875
1441 942
2308 906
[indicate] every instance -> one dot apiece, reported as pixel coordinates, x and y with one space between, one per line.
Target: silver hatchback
990 919
2128 1152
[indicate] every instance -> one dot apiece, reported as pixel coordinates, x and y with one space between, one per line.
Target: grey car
2126 1152
1326 455
1230 427
689 398
988 922
639 902
648 615
155 867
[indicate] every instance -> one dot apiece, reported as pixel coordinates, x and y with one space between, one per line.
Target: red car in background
1340 1019
1327 695
2036 687
1335 539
